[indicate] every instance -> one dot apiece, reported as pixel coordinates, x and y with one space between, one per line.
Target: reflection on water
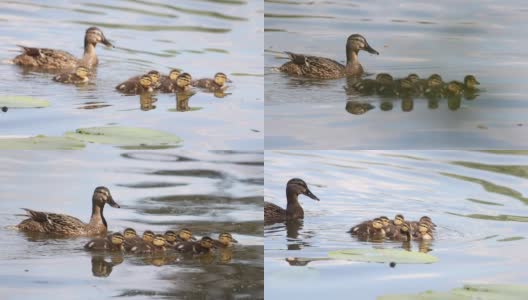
476 199
208 192
423 39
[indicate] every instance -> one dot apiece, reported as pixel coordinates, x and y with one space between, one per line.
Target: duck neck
89 58
352 66
293 209
97 220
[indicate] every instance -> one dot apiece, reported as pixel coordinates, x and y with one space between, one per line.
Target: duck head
145 81
102 196
183 80
434 81
298 186
384 78
357 42
226 239
384 221
470 81
117 239
399 219
154 76
148 236
129 233
170 236
185 234
207 242
94 35
159 240
174 73
82 72
377 224
414 78
220 79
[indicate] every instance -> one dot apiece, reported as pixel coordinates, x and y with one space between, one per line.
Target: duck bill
106 42
234 241
311 195
112 202
193 238
370 49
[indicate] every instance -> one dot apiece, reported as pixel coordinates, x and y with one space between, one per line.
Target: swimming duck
185 235
213 85
170 237
225 240
434 86
424 219
386 224
183 83
134 87
385 85
167 83
81 75
67 225
406 88
395 225
367 87
113 242
202 246
404 234
131 238
374 231
145 244
325 68
274 213
363 226
51 59
158 244
424 232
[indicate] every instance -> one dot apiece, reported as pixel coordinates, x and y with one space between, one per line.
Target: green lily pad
469 292
22 102
40 142
383 256
125 136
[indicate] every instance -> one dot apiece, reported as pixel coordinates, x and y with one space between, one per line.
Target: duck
434 86
158 244
53 223
363 226
167 83
170 237
134 87
406 88
404 234
368 87
184 235
385 85
395 224
423 219
225 240
217 84
424 232
144 245
52 59
373 232
203 246
470 89
131 238
453 88
113 242
385 221
325 68
294 187
183 83
81 75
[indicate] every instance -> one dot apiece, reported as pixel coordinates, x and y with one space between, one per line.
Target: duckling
373 232
404 234
167 83
213 85
185 235
225 240
81 75
418 84
183 83
434 86
371 86
274 213
424 219
155 77
363 226
45 222
145 245
386 224
112 243
134 87
386 86
406 88
453 88
424 232
131 238
325 68
170 237
395 225
158 244
51 59
203 246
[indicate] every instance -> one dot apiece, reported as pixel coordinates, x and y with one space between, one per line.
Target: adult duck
53 59
67 225
325 68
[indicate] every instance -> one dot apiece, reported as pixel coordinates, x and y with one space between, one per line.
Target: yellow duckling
404 234
203 246
225 240
112 243
134 85
424 232
185 235
144 246
170 237
183 83
81 75
168 83
213 85
158 244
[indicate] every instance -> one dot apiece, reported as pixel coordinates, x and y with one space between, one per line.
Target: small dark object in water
392 264
4 109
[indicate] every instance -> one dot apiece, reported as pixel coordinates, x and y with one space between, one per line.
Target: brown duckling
113 242
202 246
218 83
131 238
395 225
145 245
385 221
134 87
170 237
225 240
374 231
183 83
168 83
45 222
424 233
274 213
51 59
424 219
434 86
158 244
81 75
185 235
404 234
363 226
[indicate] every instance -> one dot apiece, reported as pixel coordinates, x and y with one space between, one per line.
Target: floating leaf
22 102
40 142
469 292
384 256
510 239
125 136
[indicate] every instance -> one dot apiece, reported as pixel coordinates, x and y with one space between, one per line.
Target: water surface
478 200
449 38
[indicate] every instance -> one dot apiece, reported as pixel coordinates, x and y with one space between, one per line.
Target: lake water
477 200
208 192
445 37
200 37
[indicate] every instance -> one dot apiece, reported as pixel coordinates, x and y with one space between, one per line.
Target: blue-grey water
478 201
451 38
200 37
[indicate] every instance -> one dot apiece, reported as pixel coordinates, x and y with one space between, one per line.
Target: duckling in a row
398 229
217 84
140 84
52 59
81 75
325 68
114 242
